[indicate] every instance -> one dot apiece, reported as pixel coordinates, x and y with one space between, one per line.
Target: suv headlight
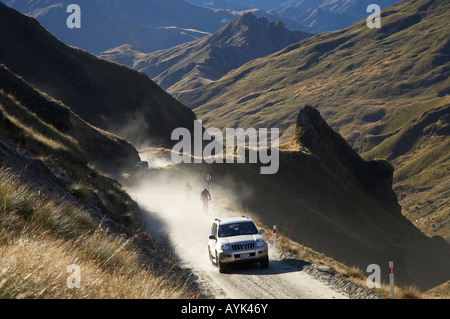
260 243
225 247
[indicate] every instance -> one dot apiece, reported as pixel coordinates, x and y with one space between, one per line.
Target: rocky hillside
191 65
104 94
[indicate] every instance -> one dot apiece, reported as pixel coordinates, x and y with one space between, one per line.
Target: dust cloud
175 217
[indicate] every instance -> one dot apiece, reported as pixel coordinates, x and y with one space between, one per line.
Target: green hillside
340 71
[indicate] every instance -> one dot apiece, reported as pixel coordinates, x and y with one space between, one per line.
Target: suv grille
242 246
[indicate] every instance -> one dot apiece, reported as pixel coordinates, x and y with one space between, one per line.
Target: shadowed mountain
105 94
321 20
317 15
148 24
191 65
47 127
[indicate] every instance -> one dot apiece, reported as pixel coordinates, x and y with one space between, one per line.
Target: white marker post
391 277
274 236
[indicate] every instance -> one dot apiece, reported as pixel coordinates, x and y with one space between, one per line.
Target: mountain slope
320 20
355 8
357 66
150 25
57 152
58 208
104 94
415 139
196 63
368 84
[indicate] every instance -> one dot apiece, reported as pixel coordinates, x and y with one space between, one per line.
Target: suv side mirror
261 231
212 237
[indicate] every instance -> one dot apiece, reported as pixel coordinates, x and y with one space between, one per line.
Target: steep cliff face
315 134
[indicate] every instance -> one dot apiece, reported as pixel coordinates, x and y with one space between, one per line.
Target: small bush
80 192
409 292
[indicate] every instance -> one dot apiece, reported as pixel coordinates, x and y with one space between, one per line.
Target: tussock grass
440 292
40 238
410 292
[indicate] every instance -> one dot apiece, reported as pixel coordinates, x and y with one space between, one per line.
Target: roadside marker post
274 236
391 277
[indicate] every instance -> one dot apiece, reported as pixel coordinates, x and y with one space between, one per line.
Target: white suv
236 240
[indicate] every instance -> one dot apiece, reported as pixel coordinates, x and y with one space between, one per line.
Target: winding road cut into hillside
171 216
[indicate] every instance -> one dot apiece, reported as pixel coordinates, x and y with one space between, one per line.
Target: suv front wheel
265 263
222 266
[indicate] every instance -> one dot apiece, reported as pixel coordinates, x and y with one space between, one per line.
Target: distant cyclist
205 197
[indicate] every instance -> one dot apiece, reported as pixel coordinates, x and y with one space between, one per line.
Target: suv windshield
236 229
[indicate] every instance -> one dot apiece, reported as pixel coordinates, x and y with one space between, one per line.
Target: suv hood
239 239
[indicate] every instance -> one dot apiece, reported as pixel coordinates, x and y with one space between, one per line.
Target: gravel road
186 227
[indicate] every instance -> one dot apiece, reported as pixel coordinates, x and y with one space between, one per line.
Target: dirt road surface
171 216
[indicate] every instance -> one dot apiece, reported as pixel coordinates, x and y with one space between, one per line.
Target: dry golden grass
439 292
37 267
40 238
